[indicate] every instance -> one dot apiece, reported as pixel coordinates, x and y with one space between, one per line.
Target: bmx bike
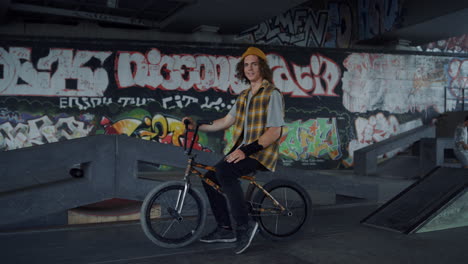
174 213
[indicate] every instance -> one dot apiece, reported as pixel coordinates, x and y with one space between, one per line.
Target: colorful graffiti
375 129
393 83
160 128
26 131
304 141
312 139
332 97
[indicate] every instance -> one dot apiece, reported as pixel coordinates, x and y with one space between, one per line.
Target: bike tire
167 230
275 225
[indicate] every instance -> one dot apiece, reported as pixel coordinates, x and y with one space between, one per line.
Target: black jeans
227 176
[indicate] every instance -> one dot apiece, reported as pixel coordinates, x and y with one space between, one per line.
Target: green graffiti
315 138
228 135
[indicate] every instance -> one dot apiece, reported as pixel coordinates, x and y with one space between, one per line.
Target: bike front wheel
277 224
166 226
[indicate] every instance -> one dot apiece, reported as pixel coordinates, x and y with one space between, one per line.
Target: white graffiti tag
178 101
203 72
177 72
376 129
84 103
63 72
40 131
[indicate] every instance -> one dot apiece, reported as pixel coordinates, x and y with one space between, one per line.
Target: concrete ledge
111 171
365 159
433 153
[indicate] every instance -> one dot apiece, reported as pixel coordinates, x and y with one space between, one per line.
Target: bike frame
191 169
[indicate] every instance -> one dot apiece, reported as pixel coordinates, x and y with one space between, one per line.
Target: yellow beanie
254 51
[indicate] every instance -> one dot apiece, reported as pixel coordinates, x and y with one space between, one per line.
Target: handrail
365 159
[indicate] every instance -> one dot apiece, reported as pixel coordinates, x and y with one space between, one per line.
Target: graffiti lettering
309 79
376 17
457 72
340 25
7 115
179 101
84 103
41 130
183 72
71 77
315 138
134 101
176 72
454 44
218 104
298 26
160 128
376 129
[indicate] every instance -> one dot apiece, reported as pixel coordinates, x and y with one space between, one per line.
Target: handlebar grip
204 122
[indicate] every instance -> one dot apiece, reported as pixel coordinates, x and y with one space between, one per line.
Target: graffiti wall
338 25
336 101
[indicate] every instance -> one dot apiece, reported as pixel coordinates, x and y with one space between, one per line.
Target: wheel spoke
172 229
165 232
285 197
277 220
277 223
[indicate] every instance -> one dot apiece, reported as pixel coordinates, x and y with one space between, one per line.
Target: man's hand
236 156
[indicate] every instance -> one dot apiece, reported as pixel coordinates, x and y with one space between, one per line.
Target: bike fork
182 194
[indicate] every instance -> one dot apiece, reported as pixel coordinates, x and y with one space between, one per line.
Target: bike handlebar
198 124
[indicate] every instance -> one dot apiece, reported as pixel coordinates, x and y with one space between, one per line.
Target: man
258 117
461 143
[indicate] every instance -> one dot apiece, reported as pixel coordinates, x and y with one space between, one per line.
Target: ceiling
181 16
423 23
434 21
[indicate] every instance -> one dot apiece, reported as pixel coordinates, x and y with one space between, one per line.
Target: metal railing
458 94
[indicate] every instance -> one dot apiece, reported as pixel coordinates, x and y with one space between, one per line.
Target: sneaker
245 237
219 235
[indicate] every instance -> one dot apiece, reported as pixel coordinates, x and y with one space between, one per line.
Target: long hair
265 71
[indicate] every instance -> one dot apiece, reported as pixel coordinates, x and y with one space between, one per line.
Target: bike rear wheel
166 227
274 223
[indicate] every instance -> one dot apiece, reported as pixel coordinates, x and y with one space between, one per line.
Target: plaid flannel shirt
257 118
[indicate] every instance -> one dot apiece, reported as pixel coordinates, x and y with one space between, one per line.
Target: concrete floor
333 236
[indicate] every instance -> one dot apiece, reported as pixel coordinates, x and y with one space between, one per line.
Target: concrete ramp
415 207
36 181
